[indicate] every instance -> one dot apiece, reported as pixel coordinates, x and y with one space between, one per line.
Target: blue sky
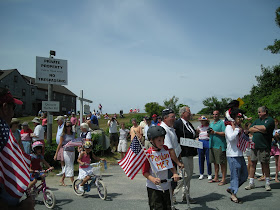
126 53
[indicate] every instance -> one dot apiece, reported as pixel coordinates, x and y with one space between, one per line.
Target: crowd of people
222 143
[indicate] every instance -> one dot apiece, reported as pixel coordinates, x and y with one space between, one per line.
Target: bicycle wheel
76 187
49 199
101 189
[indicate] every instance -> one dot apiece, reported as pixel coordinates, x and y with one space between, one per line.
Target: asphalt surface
124 193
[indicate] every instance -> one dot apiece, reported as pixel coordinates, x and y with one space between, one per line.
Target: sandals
222 183
212 181
236 201
229 191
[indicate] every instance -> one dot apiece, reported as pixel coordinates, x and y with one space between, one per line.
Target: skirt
83 172
69 158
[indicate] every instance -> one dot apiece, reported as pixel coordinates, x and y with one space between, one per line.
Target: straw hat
202 118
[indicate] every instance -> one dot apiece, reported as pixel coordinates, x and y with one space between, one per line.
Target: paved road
126 194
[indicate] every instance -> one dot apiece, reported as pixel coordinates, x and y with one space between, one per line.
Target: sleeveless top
85 159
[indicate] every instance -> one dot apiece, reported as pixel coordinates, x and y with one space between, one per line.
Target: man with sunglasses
12 183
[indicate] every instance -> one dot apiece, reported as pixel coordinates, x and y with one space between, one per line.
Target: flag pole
147 158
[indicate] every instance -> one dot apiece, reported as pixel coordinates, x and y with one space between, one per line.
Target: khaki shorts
217 156
262 155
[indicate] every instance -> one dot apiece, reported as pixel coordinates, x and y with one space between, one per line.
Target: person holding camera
218 147
114 136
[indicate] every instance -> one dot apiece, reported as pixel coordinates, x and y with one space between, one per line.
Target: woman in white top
237 164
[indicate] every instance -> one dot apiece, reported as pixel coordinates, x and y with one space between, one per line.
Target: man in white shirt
38 133
60 123
113 130
171 140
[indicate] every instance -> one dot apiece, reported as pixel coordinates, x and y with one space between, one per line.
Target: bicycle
96 180
48 196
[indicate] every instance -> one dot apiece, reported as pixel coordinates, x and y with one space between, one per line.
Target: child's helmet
87 144
37 144
155 131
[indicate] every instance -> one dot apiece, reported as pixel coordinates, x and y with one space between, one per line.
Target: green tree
275 48
171 103
153 108
266 92
213 103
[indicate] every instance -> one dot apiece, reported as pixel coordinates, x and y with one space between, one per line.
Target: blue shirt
94 119
154 122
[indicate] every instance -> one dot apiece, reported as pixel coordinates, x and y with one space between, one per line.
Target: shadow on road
110 196
59 203
203 200
256 196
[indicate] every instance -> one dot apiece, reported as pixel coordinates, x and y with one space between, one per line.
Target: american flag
244 142
14 163
74 143
134 159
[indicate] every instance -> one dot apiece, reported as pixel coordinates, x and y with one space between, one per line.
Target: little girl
122 147
202 153
85 170
36 159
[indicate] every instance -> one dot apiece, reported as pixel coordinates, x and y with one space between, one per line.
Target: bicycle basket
96 168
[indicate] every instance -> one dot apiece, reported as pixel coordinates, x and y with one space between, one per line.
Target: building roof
31 81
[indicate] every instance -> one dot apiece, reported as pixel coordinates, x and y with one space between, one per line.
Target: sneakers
209 177
250 187
81 188
60 174
200 177
267 187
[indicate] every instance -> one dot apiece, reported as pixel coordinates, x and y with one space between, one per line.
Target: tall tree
275 48
213 103
171 103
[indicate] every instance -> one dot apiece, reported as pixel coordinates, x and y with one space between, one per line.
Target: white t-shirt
203 135
123 134
146 128
171 140
232 139
113 126
59 132
38 131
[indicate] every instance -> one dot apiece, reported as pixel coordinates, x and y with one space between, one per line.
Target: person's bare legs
266 170
277 168
253 169
224 172
216 178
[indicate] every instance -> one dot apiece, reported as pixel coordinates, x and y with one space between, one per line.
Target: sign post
52 72
82 99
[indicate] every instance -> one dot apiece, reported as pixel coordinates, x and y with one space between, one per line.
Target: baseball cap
61 118
154 115
6 97
167 112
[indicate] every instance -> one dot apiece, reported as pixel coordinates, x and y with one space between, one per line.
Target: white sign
51 71
86 109
191 143
161 161
50 106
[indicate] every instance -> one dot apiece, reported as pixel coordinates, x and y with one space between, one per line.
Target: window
23 92
15 78
32 91
46 95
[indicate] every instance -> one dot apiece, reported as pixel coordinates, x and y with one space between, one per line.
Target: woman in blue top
68 152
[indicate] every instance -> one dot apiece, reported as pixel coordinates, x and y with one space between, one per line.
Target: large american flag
74 143
244 142
14 163
134 159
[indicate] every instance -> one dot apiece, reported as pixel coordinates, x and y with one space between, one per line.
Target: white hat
59 118
84 125
36 120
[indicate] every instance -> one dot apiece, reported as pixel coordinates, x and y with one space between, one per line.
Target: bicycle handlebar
43 171
168 180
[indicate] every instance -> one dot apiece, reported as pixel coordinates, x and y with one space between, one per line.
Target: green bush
49 154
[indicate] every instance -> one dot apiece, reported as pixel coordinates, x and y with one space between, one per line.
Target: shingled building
32 94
